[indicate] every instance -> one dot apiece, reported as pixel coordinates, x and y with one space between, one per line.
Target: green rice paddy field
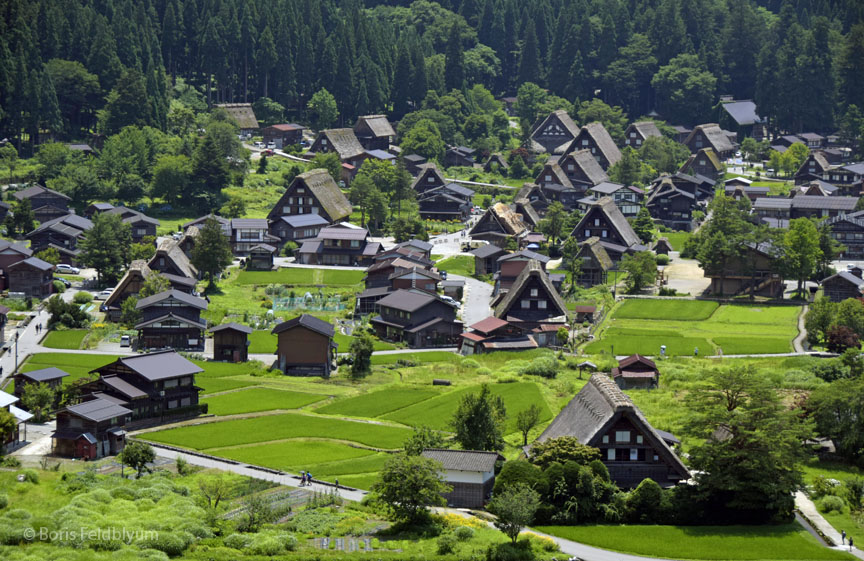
643 325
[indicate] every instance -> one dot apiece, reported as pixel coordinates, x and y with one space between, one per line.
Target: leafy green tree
628 78
211 253
663 154
262 165
850 313
562 450
802 254
9 158
361 353
613 118
646 504
137 455
130 315
818 319
514 509
422 438
49 255
171 177
78 93
685 88
570 251
518 169
529 59
553 225
8 424
105 246
126 104
408 227
424 139
722 240
479 421
454 59
746 466
323 110
627 170
267 111
67 314
234 208
39 399
154 284
130 188
407 484
526 420
643 225
838 409
529 100
329 161
641 269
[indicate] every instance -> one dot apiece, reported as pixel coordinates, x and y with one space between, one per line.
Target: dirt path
799 344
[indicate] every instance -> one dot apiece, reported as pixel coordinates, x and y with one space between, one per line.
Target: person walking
696 351
842 532
851 544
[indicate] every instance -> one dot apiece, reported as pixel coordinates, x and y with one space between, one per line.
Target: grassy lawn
431 356
642 326
259 399
262 342
787 542
378 403
437 412
841 472
301 277
71 339
676 239
280 427
77 365
458 265
216 385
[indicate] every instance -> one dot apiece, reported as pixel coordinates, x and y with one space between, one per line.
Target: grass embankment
71 339
462 265
643 325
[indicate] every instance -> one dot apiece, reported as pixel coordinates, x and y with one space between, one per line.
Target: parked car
259 144
125 341
65 282
104 294
271 145
451 301
67 269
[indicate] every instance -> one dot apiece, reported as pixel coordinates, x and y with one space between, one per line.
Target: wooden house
171 319
312 192
248 233
806 206
497 225
603 417
604 220
532 301
486 259
755 271
584 313
671 206
595 262
449 202
430 177
740 117
140 224
681 133
554 133
526 211
283 135
662 246
511 265
627 198
243 115
460 156
416 246
63 234
231 342
32 277
556 186
95 208
849 178
8 403
51 377
706 163
131 283
417 318
469 473
416 277
710 136
848 230
814 167
379 272
297 227
817 188
843 285
636 372
153 386
340 141
47 204
12 252
342 244
305 346
813 140
495 334
374 132
637 133
582 169
90 430
595 138
496 164
260 257
414 163
534 195
170 259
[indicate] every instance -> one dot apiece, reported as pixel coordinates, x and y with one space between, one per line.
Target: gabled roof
566 122
529 190
378 124
613 214
637 358
594 247
535 270
344 142
241 113
7 399
506 218
715 135
742 112
558 175
301 220
827 203
846 276
584 160
97 410
231 327
16 247
34 262
488 325
35 190
527 210
130 216
123 387
597 405
647 128
343 231
285 127
602 139
606 188
171 250
407 300
416 244
422 183
157 365
525 254
488 250
322 186
203 219
307 321
172 294
248 223
709 153
70 224
171 316
464 460
45 374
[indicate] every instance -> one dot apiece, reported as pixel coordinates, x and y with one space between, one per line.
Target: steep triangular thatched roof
646 129
613 214
344 142
378 125
242 114
556 175
325 190
602 139
715 135
584 161
169 249
534 269
595 249
526 209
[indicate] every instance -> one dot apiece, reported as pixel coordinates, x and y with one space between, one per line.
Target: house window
605 233
172 404
286 210
548 178
355 243
656 458
314 210
605 439
587 233
569 167
610 454
584 142
634 454
323 142
541 304
596 221
622 436
526 304
186 401
141 232
632 135
638 439
290 200
170 384
533 292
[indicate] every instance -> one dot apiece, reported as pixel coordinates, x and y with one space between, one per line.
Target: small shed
471 474
260 258
636 372
53 377
585 313
662 247
453 288
231 342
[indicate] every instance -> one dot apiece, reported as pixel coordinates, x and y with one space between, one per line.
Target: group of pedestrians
306 479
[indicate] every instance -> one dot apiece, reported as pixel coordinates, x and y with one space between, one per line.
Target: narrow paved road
809 511
799 344
476 300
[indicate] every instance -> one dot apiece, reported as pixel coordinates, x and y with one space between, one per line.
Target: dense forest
70 68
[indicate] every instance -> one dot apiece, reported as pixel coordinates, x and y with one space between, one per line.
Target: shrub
10 462
289 249
4 501
31 476
483 371
470 363
171 543
82 297
463 533
666 291
125 493
832 503
238 541
59 287
544 366
266 545
509 552
446 544
662 259
823 486
267 304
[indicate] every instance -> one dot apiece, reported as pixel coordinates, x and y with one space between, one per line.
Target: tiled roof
98 410
45 374
464 460
232 327
157 365
183 297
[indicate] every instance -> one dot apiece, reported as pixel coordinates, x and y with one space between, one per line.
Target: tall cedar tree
529 62
209 175
105 246
211 253
454 60
479 421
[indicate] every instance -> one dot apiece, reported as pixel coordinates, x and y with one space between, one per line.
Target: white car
451 301
259 144
65 269
125 341
104 294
